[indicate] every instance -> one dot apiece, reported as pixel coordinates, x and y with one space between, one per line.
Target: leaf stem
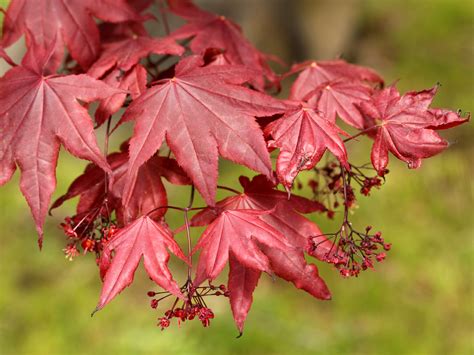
367 130
188 235
106 152
228 189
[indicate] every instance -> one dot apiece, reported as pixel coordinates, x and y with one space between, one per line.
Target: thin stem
161 207
360 133
346 208
106 152
188 235
228 189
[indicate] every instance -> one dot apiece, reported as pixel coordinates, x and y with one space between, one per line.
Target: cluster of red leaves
205 98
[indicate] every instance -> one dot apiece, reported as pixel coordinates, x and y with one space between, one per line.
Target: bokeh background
420 301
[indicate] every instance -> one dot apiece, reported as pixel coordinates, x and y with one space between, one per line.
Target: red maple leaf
133 82
405 126
259 194
303 135
202 112
341 97
290 265
241 285
315 73
142 238
209 30
126 53
148 192
240 233
62 21
38 113
285 214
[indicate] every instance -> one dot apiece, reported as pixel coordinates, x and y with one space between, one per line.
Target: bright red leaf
241 285
202 112
64 21
38 113
315 73
284 214
134 82
148 192
303 135
341 97
259 194
405 126
142 238
126 53
209 30
240 233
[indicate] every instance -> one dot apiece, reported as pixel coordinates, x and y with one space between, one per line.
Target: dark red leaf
405 126
303 135
202 112
143 238
241 284
240 232
289 264
209 30
341 97
315 73
148 192
38 113
126 53
134 82
64 22
260 194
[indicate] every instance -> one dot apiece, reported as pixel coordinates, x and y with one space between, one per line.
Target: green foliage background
420 301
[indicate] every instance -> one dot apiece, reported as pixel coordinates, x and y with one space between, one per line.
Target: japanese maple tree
201 92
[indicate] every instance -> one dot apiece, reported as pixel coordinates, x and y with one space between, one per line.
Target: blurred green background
420 301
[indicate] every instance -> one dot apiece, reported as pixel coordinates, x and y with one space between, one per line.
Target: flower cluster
193 307
329 186
353 251
88 233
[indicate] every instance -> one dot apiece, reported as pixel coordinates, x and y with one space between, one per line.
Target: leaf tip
98 308
40 242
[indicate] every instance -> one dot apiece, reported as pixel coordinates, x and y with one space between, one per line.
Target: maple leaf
240 233
290 265
202 112
126 53
148 193
209 30
142 238
315 73
241 285
134 82
91 188
303 135
405 126
259 194
64 21
38 113
341 97
282 213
